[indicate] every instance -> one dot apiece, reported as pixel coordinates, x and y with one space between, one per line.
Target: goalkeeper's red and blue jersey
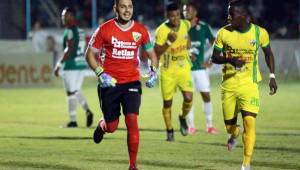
121 49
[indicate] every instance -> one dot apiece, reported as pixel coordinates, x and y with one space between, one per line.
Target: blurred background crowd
34 27
281 18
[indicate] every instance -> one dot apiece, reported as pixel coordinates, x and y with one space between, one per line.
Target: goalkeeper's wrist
98 71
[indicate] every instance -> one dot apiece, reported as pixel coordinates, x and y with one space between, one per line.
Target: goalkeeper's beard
122 20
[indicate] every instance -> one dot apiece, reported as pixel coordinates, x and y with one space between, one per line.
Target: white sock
82 101
72 107
190 118
207 108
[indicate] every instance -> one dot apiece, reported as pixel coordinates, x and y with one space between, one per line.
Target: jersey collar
245 31
124 29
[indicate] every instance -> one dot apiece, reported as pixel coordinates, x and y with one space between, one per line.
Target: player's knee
206 99
248 152
167 104
188 98
70 93
230 128
111 127
205 96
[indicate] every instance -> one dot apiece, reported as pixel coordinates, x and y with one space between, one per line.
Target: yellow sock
167 117
186 107
248 138
233 130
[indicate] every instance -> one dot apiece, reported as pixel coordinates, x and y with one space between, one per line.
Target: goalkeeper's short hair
117 2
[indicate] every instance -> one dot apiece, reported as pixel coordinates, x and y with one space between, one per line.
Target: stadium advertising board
25 70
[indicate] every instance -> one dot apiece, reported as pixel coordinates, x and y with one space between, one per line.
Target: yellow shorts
170 80
244 97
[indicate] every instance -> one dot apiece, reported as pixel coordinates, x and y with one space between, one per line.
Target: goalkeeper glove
151 82
105 80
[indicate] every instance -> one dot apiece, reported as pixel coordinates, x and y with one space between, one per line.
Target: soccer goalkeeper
119 79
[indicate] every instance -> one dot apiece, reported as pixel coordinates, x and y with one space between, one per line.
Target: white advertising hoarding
25 70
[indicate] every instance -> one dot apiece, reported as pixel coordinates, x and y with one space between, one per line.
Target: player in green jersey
72 65
199 33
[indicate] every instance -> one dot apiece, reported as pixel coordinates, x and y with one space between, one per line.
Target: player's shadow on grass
282 149
263 164
157 163
57 137
279 134
147 130
34 165
49 137
170 164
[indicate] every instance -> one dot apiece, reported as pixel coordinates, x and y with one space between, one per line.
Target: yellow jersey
176 56
244 45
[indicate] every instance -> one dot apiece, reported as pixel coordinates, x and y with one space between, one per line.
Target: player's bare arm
211 41
269 57
151 82
153 58
217 58
208 63
67 51
91 58
160 49
191 53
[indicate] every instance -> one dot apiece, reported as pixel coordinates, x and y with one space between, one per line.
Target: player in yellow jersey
239 43
171 46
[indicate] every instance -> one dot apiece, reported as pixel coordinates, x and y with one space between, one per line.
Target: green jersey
76 60
198 35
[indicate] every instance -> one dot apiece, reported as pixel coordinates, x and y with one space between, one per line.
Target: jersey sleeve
146 41
264 38
219 41
160 36
96 41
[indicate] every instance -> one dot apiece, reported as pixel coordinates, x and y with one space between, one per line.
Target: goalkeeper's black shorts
127 96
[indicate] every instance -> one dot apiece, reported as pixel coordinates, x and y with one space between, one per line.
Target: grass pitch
30 137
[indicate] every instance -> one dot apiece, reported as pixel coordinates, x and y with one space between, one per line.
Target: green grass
30 137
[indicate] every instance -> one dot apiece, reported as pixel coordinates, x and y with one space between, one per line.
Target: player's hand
273 86
105 80
151 82
207 64
193 52
193 57
237 63
56 70
172 36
